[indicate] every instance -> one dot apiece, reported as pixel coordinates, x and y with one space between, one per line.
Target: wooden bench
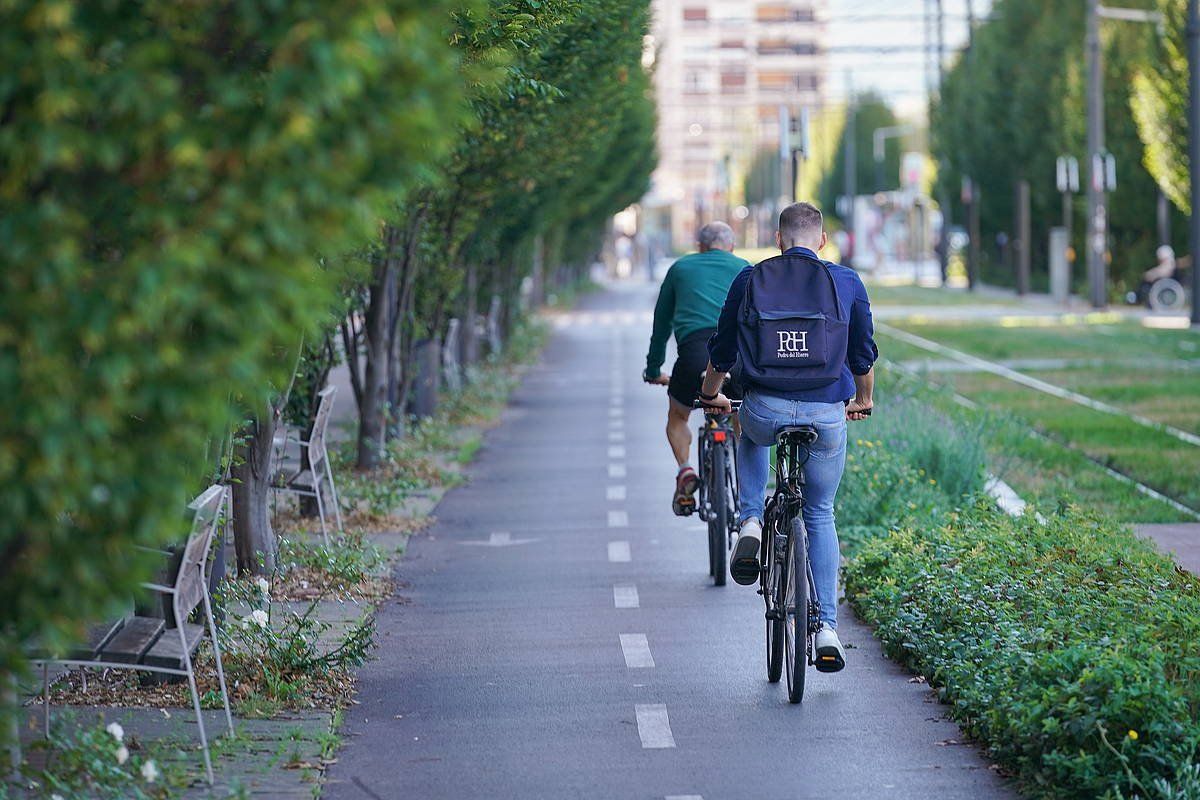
146 644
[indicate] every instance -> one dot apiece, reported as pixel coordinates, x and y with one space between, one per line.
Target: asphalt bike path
557 634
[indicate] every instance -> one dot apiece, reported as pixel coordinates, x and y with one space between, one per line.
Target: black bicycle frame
785 505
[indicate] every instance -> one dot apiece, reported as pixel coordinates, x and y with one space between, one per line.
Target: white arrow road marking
616 470
615 492
618 552
654 727
618 519
500 539
636 650
625 595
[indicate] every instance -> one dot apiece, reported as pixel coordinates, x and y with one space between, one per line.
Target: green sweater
690 299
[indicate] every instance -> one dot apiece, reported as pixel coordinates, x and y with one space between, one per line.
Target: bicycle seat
803 435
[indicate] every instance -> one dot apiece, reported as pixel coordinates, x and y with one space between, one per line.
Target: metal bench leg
212 631
14 728
320 509
337 507
191 675
46 700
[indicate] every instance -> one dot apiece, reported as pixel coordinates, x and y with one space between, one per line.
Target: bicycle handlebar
735 405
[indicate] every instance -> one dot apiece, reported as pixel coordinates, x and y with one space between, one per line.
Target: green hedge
169 173
1069 648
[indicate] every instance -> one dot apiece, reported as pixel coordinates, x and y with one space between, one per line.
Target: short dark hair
800 222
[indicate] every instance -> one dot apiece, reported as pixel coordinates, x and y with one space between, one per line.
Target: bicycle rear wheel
772 591
795 626
718 517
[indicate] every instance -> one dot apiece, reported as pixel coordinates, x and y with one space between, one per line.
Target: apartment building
723 69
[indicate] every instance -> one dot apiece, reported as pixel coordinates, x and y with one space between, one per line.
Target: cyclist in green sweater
689 304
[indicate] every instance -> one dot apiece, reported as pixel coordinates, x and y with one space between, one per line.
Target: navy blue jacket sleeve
722 347
862 352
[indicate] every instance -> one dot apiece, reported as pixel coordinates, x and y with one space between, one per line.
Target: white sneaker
831 657
744 566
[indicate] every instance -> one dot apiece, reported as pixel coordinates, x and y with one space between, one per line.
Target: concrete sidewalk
1179 539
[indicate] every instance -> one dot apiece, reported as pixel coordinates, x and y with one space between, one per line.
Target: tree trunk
537 294
254 539
372 423
402 342
470 341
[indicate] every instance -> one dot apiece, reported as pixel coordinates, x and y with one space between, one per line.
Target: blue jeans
761 416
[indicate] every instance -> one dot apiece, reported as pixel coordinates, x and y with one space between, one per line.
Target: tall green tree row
563 140
169 174
1015 101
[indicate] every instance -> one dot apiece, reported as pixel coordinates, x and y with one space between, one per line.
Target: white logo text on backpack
793 344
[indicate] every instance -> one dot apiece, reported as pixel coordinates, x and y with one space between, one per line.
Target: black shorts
688 372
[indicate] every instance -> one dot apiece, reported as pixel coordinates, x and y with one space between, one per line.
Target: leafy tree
168 174
1002 118
1160 105
559 143
871 113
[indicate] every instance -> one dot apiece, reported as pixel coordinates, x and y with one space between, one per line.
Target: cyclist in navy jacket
763 411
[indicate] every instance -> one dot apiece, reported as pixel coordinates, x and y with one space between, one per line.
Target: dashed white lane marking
616 451
618 552
654 727
616 470
618 519
616 436
683 797
636 650
615 492
625 595
617 423
1038 385
616 412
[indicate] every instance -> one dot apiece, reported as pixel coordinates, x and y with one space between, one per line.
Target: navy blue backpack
792 330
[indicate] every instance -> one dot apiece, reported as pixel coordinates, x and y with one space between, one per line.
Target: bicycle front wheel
718 517
795 625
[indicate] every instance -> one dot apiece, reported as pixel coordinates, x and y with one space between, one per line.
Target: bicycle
786 571
717 503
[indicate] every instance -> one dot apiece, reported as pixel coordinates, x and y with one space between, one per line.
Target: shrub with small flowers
277 652
95 762
1067 646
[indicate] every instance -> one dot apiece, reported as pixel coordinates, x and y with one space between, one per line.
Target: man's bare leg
678 432
684 501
